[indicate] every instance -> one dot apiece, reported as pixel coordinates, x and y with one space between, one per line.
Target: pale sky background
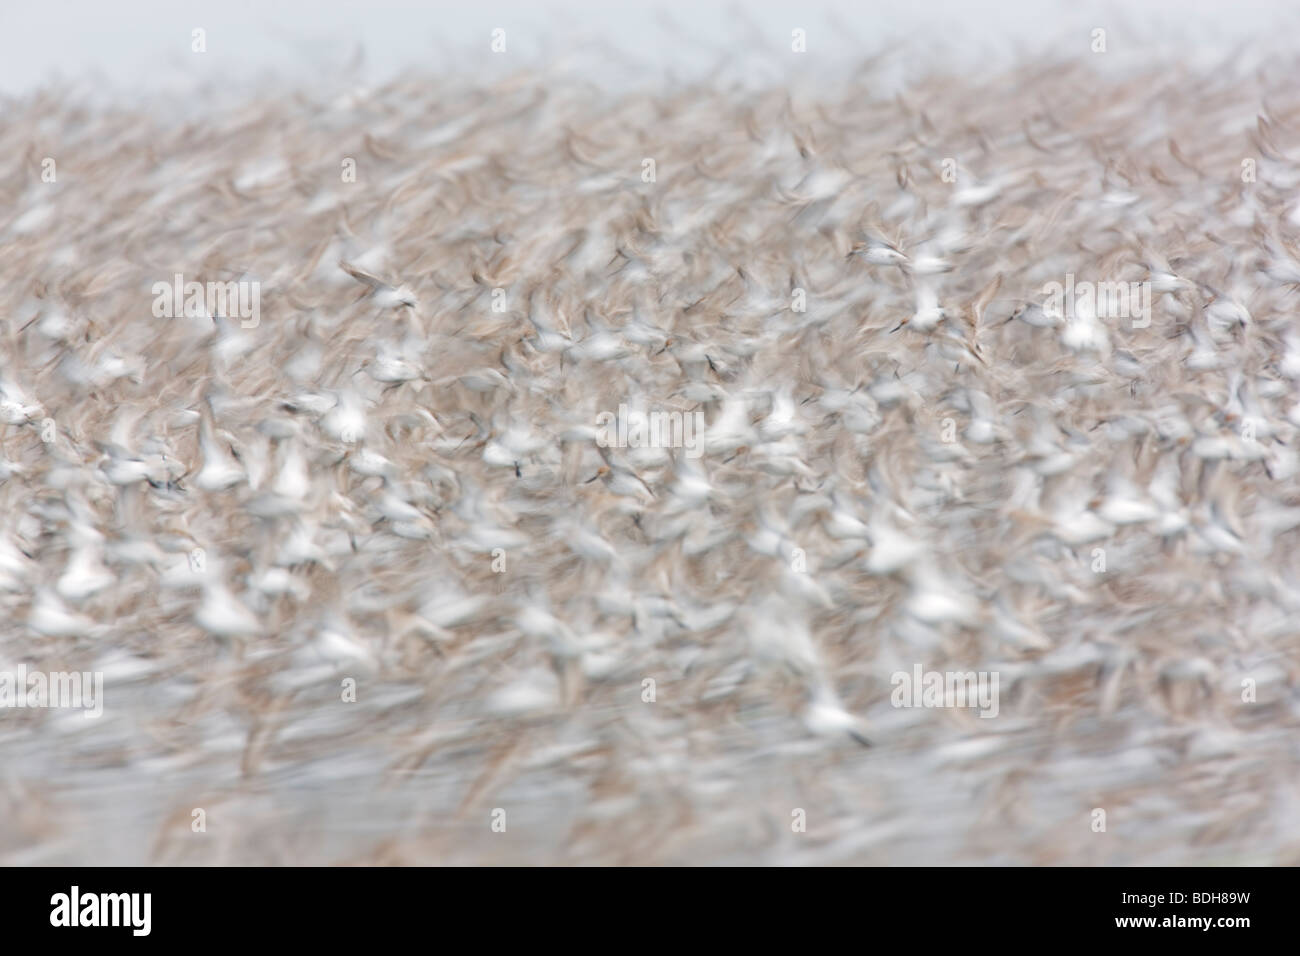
142 47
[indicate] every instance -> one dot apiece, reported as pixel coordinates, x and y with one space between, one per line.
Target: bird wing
982 301
362 276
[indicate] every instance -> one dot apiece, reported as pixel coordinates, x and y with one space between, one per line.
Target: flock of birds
394 481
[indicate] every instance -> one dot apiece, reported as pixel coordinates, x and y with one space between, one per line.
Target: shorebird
220 470
827 717
878 251
223 615
957 336
16 408
85 573
384 294
49 617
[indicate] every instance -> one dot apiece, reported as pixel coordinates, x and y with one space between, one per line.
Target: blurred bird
826 717
385 295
